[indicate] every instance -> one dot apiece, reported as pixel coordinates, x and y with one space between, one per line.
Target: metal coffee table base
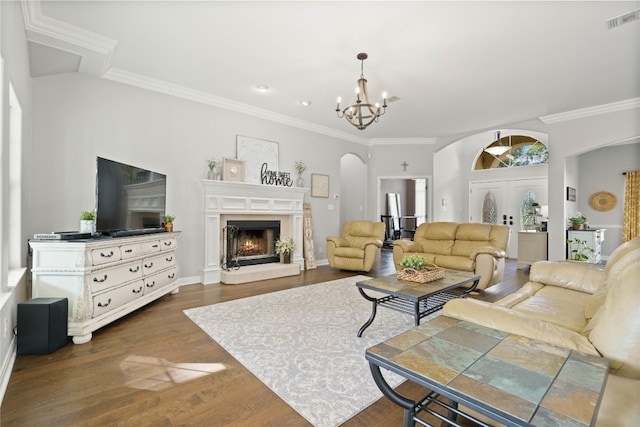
418 309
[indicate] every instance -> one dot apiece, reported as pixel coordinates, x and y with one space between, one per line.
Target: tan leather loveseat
478 248
358 246
582 308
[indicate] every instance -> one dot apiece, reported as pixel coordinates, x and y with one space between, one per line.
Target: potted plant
578 250
87 222
211 164
300 168
578 221
168 222
284 248
415 268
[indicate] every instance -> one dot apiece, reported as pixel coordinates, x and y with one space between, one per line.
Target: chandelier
499 149
361 113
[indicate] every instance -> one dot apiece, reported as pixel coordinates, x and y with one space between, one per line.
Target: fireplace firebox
251 242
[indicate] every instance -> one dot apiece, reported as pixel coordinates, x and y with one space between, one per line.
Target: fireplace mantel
227 199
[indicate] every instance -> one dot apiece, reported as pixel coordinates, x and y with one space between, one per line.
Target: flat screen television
129 200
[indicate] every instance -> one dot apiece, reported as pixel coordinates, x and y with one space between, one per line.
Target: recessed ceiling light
262 88
305 103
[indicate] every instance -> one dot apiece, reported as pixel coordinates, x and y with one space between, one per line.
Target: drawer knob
148 265
172 275
167 243
138 290
169 259
105 304
128 250
154 246
134 270
109 255
95 279
151 285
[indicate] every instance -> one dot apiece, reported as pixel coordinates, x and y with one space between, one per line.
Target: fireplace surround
226 201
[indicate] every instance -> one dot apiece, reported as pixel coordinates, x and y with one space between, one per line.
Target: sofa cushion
454 262
349 252
562 307
570 275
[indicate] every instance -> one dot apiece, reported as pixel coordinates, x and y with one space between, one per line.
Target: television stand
104 279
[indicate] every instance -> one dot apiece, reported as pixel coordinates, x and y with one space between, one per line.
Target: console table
509 378
104 278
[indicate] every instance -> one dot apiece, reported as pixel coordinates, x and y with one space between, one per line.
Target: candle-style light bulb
339 100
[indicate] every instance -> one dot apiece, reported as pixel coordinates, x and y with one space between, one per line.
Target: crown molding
161 86
96 52
613 107
402 141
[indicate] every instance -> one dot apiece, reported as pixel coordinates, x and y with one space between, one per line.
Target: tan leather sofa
583 308
474 247
358 247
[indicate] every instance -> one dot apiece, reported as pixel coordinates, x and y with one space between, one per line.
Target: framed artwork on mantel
319 185
255 152
233 170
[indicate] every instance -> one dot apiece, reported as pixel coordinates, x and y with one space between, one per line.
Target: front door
507 202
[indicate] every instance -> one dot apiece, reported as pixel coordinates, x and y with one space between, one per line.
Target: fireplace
251 242
225 201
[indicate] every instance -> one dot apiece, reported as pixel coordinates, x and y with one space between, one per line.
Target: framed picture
319 185
255 152
233 170
571 194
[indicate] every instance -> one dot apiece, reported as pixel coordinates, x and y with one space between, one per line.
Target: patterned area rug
302 344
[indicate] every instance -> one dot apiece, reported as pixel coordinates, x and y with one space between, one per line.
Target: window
519 150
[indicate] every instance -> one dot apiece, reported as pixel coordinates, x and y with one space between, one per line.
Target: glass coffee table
416 299
509 378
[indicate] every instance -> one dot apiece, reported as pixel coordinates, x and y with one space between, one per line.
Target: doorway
414 194
508 202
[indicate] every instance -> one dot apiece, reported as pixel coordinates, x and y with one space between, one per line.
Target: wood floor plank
105 382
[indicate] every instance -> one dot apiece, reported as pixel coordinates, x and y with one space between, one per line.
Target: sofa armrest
489 250
337 241
408 246
371 241
504 319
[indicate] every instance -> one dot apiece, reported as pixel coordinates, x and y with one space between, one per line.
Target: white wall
601 170
77 117
15 70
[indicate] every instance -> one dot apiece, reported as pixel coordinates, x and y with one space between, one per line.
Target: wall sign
274 177
571 194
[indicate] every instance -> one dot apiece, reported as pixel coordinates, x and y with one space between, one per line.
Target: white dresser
593 238
105 278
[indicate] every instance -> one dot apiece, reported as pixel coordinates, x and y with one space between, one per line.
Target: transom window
512 151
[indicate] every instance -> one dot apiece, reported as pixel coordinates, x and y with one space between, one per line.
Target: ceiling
456 67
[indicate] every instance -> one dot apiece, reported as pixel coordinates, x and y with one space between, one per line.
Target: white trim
160 86
96 51
7 367
613 107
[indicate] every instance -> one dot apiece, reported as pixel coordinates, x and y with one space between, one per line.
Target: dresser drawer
105 255
168 244
151 247
114 298
154 264
131 251
158 280
104 279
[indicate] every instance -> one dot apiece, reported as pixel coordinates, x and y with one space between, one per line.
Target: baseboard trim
7 368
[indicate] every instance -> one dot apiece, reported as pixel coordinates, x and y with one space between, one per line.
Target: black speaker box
42 325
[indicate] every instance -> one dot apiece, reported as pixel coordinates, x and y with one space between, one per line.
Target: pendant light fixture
498 149
361 113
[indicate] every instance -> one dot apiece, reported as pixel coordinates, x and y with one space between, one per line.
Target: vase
212 174
579 226
300 182
168 227
87 226
286 258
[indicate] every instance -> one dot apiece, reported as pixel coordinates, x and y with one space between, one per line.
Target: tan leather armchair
358 247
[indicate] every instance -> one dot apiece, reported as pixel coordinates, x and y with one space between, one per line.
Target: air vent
623 19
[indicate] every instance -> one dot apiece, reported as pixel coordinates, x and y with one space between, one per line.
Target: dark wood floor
126 375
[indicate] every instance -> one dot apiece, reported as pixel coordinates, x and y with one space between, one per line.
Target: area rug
302 344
